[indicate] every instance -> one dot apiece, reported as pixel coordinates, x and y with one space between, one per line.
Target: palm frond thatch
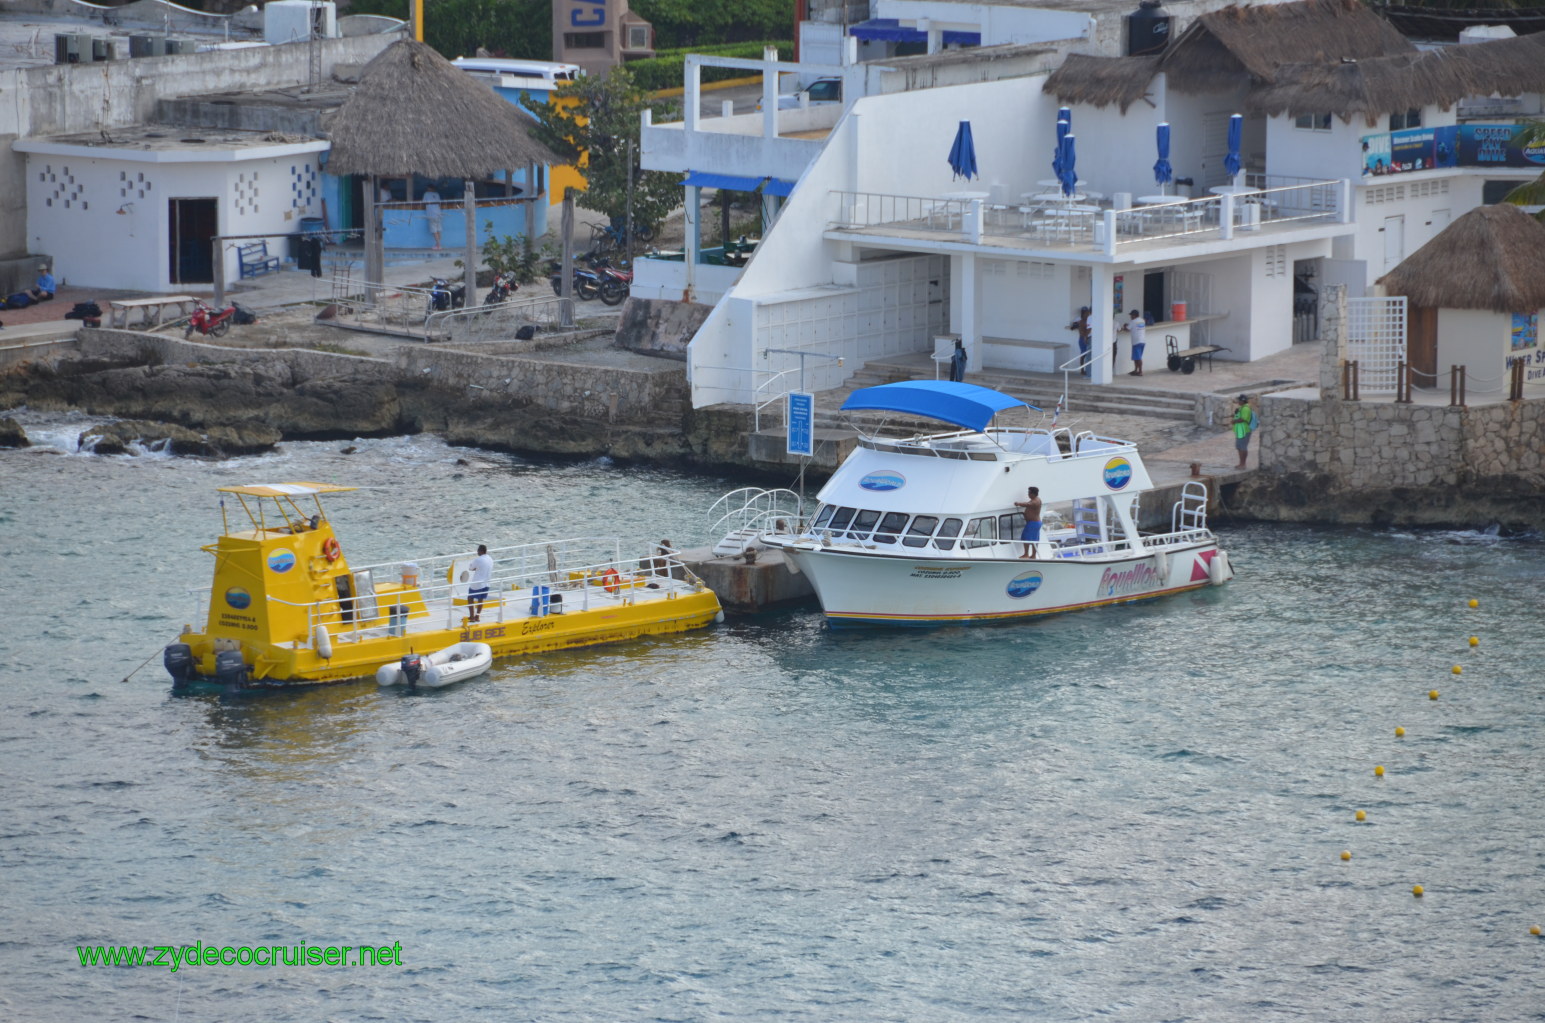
1381 85
414 112
1101 81
1491 258
1217 48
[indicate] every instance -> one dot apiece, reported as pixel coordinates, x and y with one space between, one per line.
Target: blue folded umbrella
963 153
1069 175
1236 133
1163 173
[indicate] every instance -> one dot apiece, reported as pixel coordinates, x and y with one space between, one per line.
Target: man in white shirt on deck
480 573
1138 328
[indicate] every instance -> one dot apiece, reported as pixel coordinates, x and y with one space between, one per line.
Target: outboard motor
179 662
230 668
412 668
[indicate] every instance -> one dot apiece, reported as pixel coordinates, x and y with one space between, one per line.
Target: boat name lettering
1118 473
474 635
1134 580
937 573
537 625
883 480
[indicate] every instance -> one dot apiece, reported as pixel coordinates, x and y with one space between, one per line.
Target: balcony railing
1096 225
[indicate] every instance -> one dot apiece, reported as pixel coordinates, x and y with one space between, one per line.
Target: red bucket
1177 311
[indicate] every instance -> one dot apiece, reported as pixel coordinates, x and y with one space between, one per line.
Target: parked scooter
208 320
616 283
444 296
587 283
504 286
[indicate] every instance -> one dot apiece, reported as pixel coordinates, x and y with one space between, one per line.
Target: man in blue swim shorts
1031 534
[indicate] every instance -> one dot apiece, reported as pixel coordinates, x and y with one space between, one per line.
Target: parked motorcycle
208 320
587 282
504 286
616 283
444 296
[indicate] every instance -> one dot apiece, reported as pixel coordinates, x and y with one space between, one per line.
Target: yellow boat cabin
286 606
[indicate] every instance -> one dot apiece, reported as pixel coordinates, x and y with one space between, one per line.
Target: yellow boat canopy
284 489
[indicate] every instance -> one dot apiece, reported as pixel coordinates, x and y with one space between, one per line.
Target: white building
879 250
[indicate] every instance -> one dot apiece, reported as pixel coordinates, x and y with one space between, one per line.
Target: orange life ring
611 580
331 549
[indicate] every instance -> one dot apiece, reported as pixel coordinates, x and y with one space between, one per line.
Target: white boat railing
739 517
1008 549
585 571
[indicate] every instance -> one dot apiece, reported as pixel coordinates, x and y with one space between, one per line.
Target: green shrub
666 68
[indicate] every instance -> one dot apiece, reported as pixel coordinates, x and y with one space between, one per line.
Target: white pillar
692 95
1102 300
968 308
770 93
694 239
1226 215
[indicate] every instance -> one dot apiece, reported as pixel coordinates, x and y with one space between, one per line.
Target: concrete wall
62 99
1367 445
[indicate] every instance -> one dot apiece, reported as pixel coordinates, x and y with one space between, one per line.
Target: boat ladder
1190 512
741 516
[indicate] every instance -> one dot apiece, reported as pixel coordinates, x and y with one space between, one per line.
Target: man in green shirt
1245 423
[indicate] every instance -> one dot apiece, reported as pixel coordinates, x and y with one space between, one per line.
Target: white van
537 75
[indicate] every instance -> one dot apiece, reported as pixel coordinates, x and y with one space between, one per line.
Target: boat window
1011 525
823 516
922 528
981 532
950 528
841 519
890 526
863 524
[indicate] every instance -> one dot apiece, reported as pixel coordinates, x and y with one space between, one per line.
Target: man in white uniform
480 572
1138 328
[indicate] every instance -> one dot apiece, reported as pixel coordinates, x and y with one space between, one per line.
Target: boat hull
857 588
357 658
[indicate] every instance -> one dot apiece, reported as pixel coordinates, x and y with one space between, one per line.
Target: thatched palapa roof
1220 47
1380 85
1235 46
414 112
1491 258
1101 81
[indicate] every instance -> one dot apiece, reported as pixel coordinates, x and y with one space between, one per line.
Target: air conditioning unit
104 49
174 46
147 46
67 48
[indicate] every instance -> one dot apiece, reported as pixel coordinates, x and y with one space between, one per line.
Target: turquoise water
1135 813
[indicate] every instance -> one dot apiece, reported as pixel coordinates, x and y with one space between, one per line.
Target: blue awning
965 405
889 30
701 179
779 187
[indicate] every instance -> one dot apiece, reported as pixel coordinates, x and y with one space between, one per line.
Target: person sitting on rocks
44 289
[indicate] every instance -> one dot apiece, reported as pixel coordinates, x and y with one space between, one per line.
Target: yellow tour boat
287 607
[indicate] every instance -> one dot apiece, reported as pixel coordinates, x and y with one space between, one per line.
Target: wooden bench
253 259
152 310
1183 360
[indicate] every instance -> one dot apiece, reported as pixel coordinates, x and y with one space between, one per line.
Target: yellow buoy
1346 854
1432 694
1475 641
1416 890
1400 731
1378 772
1456 669
1535 930
1474 602
1362 815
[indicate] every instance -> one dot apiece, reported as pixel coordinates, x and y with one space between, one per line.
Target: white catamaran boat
923 531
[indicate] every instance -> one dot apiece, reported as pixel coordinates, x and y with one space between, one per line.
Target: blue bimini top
964 405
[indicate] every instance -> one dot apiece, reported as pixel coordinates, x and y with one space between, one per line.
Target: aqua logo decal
1024 584
281 560
238 598
1118 473
885 479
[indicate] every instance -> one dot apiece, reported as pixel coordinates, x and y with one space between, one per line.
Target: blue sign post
801 423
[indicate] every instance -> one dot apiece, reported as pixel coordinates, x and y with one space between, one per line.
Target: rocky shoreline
252 399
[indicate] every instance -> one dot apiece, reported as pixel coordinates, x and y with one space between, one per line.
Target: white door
1394 241
1436 223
